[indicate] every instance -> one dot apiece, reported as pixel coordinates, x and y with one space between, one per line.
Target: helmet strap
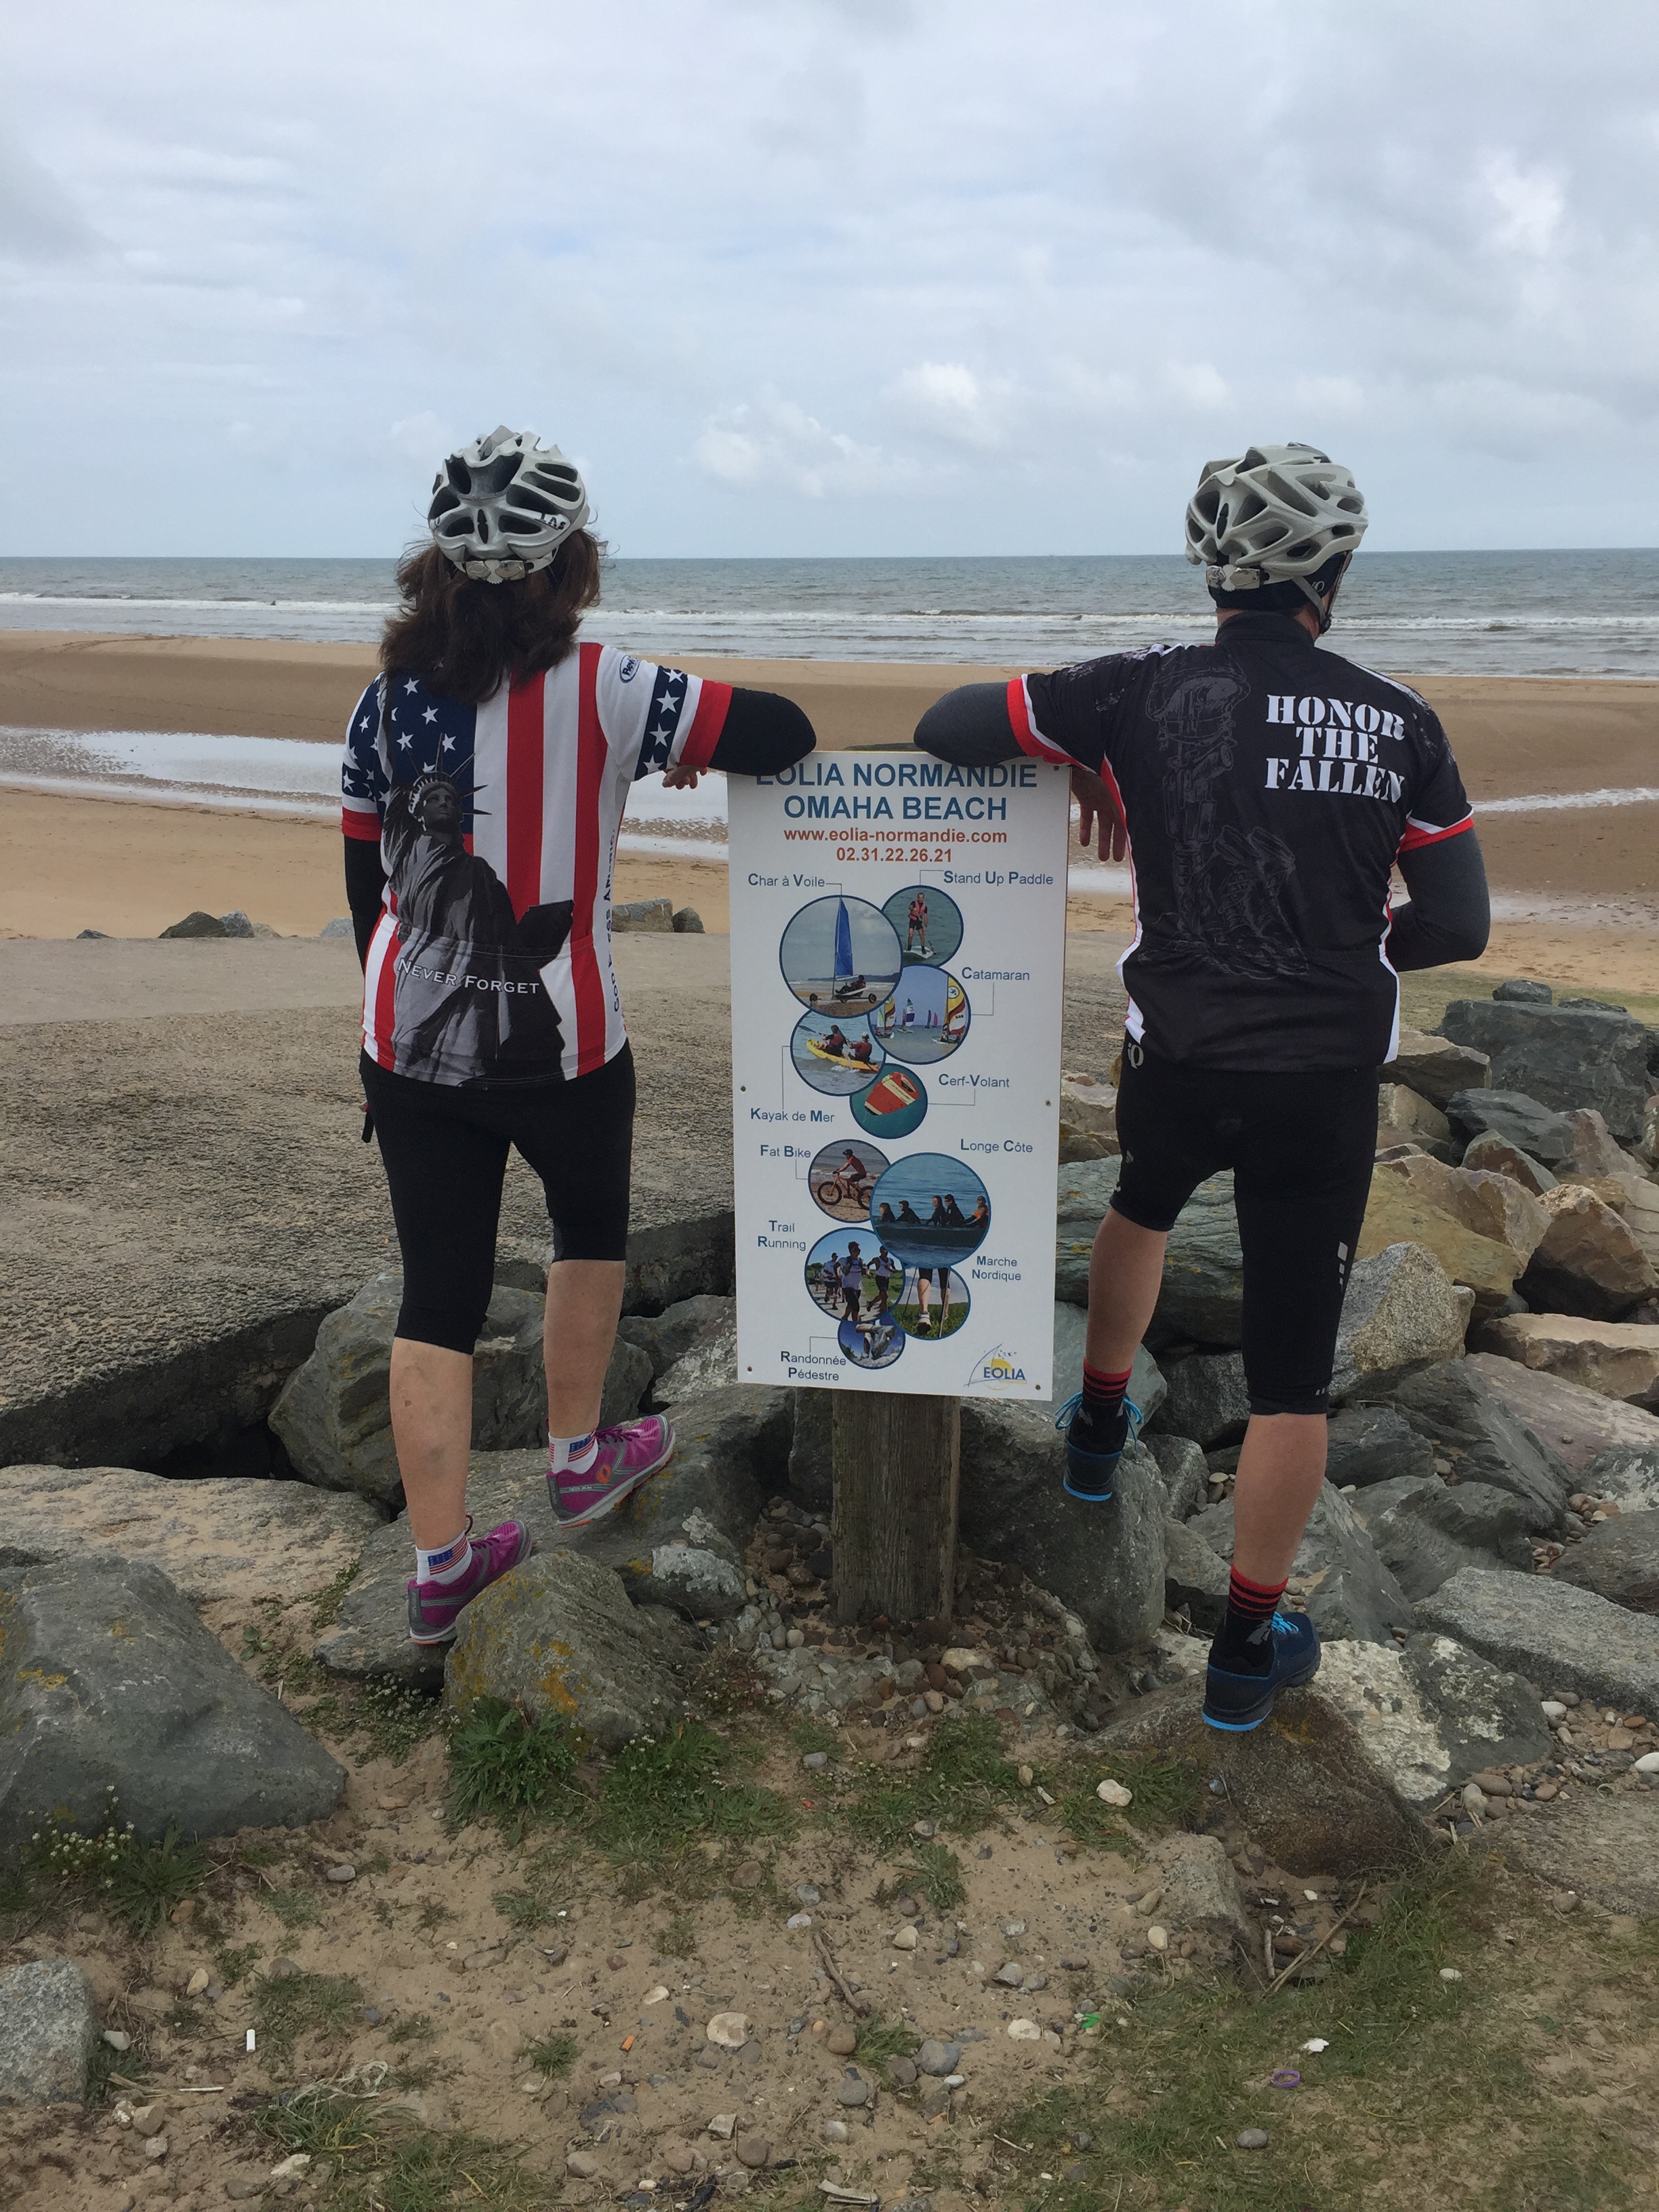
1323 602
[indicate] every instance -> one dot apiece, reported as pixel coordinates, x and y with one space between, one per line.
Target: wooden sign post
896 1463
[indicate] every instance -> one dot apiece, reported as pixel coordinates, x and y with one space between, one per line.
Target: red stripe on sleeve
1025 734
364 827
526 753
713 702
586 986
1416 836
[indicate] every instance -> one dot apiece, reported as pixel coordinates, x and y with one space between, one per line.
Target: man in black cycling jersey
1265 790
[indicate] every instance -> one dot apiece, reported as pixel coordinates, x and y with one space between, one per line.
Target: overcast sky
825 276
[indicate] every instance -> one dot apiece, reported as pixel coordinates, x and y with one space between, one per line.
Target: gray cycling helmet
1275 515
502 506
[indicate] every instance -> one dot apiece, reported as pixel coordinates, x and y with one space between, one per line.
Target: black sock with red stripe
1097 1424
1244 1642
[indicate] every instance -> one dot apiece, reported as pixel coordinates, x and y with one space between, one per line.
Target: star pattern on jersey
668 694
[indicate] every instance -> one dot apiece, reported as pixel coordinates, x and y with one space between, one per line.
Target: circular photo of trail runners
930 1209
934 1303
842 1176
894 1104
835 1055
925 1018
928 923
839 956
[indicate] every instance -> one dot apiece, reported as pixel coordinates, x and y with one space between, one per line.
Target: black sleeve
970 726
364 880
762 733
1450 914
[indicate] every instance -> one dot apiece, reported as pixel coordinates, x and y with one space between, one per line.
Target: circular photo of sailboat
839 956
928 922
930 1209
894 1104
925 1018
833 1054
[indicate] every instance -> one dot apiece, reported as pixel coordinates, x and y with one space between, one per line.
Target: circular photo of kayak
928 923
842 1176
894 1105
930 1209
925 1018
835 1055
839 956
933 1302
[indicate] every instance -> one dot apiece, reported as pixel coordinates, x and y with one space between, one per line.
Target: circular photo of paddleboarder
933 1303
842 1176
925 1018
835 1055
928 923
894 1104
930 1209
839 956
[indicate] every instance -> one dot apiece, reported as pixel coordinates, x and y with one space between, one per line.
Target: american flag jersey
497 825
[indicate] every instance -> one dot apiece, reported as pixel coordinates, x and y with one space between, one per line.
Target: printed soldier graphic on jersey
1228 885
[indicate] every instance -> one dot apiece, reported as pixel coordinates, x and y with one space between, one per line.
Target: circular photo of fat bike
842 1176
925 1018
836 1055
928 922
930 1209
894 1104
839 956
933 1303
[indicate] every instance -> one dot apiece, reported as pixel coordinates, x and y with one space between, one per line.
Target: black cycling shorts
444 1150
1301 1148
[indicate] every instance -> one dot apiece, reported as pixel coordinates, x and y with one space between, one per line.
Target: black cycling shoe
1237 1702
1091 1460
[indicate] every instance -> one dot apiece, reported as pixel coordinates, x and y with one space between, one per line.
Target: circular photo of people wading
930 1209
835 1055
934 1303
839 956
928 923
856 1281
842 1176
925 1018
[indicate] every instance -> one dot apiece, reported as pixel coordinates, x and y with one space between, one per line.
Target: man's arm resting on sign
970 727
365 881
762 733
1450 914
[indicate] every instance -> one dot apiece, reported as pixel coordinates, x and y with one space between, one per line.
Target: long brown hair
461 636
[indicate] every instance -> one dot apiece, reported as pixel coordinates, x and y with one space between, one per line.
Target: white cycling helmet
502 506
1276 515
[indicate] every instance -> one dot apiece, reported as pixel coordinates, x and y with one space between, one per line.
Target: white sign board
898 934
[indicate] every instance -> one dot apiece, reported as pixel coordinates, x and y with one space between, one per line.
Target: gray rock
1425 1532
46 2032
1522 991
558 1636
196 924
1596 1843
1401 1312
730 1453
1531 1126
939 2058
1148 1387
1201 1891
1563 1056
1202 1299
699 1583
657 913
811 1455
852 2090
1105 1562
1367 1443
1628 1476
110 1680
100 936
1336 1574
1619 1560
1498 1156
678 1259
711 1363
1552 1633
236 923
1209 1399
1186 1474
340 926
1431 1715
1194 1577
1456 1409
1577 1424
1591 1262
220 1541
666 1338
688 923
1435 1068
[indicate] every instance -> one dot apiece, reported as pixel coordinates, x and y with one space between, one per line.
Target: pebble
616 1962
924 1832
1012 1929
1114 1792
1149 1901
340 1872
677 2157
1158 1938
843 2041
722 2124
1565 1900
118 2038
754 2150
291 2167
729 2029
1474 1799
581 2163
1024 2031
1648 1763
1543 1791
798 1920
933 1701
807 1893
1251 2139
814 1760
905 1940
1026 1778
1554 1710
155 2147
655 1994
907 1907
1081 2139
903 2071
836 2131
1451 1974
1009 1973
936 2056
852 2089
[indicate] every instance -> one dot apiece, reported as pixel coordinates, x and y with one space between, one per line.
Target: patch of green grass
414 2027
880 2041
813 1735
678 1940
963 1783
524 1910
295 1908
259 1854
384 2160
1166 1795
506 1765
936 1874
432 1916
659 1795
552 2055
392 1721
727 1684
326 1605
402 2078
138 1881
234 1962
149 1880
289 2006
102 2062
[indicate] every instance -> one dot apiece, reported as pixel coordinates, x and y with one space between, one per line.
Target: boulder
1373 1443
1434 1068
688 923
1431 1715
1185 1471
1514 1118
1573 1423
1496 1155
111 1682
1626 1479
1522 991
1200 1893
1195 1577
1147 1388
731 1455
665 1338
1336 1575
47 2028
1403 1117
1105 1562
1424 1532
1596 1152
1589 1261
1619 1560
1616 1359
236 924
1597 1844
196 924
649 914
1400 1313
222 1542
558 1636
1494 1207
710 1364
1563 1056
1202 1298
1458 1410
679 1259
1209 1399
1552 1633
1087 1107
1398 1212
1640 1209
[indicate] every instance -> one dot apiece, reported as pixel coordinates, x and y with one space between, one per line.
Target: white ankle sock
449 1563
573 1455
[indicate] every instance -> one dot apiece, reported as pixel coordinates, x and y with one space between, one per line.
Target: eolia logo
995 1370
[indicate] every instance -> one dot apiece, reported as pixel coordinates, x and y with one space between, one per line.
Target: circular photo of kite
842 1176
839 956
933 1303
925 1018
894 1104
930 1209
928 923
835 1055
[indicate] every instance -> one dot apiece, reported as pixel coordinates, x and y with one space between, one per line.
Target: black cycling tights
444 1150
1301 1149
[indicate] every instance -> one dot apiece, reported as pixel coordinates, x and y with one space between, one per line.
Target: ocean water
1592 613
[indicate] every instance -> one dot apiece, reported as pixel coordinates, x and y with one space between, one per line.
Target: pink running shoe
434 1608
627 1456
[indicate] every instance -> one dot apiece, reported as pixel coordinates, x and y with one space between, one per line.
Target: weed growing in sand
288 2006
325 1604
552 2055
523 1910
936 1874
416 2028
295 1908
1165 1796
235 1962
678 1940
809 1735
432 1916
880 2041
659 1794
393 1720
963 1781
385 2161
138 1881
506 1765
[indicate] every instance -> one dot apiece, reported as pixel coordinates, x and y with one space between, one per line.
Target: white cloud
1530 204
769 443
949 399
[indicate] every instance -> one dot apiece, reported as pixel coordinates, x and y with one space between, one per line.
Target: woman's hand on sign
681 779
1099 821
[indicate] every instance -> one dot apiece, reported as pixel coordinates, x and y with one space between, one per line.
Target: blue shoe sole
1087 1497
1244 1727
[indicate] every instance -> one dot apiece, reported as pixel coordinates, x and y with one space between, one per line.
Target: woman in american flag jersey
482 786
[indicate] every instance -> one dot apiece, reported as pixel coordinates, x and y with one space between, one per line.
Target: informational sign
898 930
